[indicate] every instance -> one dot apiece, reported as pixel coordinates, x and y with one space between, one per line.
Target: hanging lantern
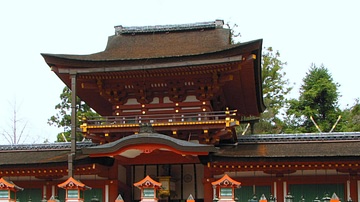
165 186
289 198
253 199
272 198
326 198
316 199
95 199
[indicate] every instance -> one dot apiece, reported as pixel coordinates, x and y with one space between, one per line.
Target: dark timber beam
73 125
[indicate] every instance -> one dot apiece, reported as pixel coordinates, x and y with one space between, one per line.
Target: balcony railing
163 118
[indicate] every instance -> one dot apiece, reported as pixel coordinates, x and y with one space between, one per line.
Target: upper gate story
188 81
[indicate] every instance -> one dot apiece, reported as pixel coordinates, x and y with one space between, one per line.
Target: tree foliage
318 100
63 117
351 118
275 88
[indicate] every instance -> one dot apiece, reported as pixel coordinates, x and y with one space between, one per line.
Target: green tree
351 118
62 119
318 102
275 89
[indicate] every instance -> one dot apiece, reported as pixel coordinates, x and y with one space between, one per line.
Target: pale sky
304 32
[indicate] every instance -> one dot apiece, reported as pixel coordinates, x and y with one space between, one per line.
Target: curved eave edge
258 78
250 45
118 145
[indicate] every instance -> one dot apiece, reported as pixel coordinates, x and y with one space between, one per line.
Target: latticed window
73 193
149 193
226 192
4 194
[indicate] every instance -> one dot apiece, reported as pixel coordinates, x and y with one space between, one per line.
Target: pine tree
317 104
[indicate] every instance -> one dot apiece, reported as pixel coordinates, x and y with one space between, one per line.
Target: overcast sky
304 32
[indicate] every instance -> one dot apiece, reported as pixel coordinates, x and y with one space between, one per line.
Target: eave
65 65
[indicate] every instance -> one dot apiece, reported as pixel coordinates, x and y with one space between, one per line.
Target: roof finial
146 128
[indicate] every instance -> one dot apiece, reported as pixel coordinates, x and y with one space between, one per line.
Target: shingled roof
28 154
277 147
284 147
145 42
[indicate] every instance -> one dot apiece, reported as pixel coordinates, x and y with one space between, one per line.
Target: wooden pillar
280 194
71 156
274 190
208 189
252 127
352 188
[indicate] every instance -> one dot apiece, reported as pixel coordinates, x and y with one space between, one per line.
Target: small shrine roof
147 182
4 184
71 183
226 180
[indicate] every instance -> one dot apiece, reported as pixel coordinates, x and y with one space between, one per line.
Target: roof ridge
300 137
44 146
167 28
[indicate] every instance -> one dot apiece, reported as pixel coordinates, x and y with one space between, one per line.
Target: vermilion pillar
208 190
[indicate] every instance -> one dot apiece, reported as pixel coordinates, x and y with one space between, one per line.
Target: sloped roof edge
248 46
149 138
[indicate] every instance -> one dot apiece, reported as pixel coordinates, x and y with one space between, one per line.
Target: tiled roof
288 146
38 153
300 137
279 147
43 147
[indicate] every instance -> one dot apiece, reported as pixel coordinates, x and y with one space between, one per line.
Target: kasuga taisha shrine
170 98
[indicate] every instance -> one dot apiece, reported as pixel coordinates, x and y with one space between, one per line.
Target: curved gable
134 145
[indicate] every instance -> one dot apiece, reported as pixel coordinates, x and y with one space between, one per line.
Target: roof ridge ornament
119 30
146 128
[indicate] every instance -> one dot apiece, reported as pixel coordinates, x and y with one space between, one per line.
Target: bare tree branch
12 135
